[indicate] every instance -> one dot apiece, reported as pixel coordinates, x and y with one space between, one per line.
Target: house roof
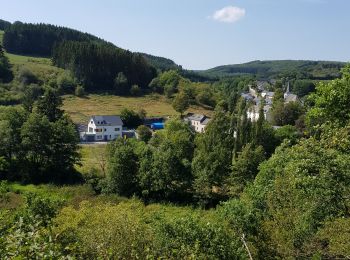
203 119
206 121
195 117
247 96
290 98
107 120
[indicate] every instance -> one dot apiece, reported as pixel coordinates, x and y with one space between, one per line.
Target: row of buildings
256 96
108 128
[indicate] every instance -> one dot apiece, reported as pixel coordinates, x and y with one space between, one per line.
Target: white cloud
229 14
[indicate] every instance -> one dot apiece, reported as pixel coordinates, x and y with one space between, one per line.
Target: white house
197 121
253 113
103 128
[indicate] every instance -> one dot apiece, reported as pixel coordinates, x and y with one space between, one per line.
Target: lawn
80 109
92 157
41 67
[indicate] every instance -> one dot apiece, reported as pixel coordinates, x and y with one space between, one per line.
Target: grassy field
41 67
93 157
80 109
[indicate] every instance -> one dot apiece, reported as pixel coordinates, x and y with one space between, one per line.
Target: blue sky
201 34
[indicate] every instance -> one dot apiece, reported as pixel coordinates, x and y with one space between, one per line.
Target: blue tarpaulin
157 126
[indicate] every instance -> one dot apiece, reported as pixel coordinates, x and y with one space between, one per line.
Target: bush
66 83
144 133
104 231
26 77
79 91
135 90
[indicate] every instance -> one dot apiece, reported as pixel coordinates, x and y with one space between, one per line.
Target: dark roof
107 120
197 117
82 128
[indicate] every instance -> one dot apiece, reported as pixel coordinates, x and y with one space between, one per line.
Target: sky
201 34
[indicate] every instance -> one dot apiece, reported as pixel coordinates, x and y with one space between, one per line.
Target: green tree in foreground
181 103
5 68
331 101
122 167
144 133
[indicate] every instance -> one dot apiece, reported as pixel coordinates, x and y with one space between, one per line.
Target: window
117 129
98 130
91 122
98 137
105 130
91 129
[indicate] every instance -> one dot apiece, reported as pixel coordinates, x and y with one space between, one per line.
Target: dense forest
317 70
98 66
39 39
161 63
4 25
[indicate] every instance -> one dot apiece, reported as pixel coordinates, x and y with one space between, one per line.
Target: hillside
161 63
321 70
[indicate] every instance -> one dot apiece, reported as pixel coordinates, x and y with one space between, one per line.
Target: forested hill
39 39
161 63
4 25
95 64
320 70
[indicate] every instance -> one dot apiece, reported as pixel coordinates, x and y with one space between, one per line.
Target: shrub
135 90
79 91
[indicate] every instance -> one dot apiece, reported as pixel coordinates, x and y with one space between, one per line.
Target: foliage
287 114
287 132
49 105
66 84
98 66
213 156
122 168
300 187
5 67
79 91
181 102
189 237
281 68
245 167
4 24
162 64
144 133
130 118
331 101
106 231
303 87
165 169
26 77
135 90
39 39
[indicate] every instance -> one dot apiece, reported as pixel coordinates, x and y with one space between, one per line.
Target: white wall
111 132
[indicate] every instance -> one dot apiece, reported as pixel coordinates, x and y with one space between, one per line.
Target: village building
102 128
197 121
253 113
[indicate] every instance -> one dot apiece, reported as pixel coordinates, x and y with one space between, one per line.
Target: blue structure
157 126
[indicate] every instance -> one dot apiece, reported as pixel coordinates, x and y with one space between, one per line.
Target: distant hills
303 69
